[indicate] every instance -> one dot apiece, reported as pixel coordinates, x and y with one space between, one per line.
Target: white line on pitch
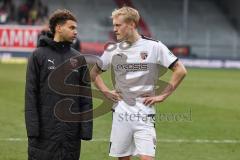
225 141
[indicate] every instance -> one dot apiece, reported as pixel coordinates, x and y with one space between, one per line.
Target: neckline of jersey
137 41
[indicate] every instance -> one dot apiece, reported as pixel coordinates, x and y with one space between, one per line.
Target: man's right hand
112 95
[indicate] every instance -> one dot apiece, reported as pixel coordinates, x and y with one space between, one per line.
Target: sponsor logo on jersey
133 67
120 55
51 61
144 55
73 62
52 67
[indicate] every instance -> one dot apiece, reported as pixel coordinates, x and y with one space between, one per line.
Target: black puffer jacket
49 137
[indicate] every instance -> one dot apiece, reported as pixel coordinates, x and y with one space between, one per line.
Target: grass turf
212 95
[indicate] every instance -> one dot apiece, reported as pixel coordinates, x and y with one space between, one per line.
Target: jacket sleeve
86 104
31 97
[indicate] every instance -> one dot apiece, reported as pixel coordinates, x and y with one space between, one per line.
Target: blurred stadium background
203 33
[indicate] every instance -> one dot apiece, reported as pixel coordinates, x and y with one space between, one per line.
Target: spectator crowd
29 12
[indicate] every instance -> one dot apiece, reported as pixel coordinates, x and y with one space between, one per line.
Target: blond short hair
130 14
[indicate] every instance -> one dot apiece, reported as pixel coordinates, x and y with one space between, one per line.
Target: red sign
180 50
18 38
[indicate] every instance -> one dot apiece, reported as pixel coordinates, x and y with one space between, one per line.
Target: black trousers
42 149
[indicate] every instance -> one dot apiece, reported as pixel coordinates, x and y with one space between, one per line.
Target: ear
58 28
132 24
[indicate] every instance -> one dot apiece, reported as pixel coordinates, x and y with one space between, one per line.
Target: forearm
177 79
179 72
101 85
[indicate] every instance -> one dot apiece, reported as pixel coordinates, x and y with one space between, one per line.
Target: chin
71 40
119 39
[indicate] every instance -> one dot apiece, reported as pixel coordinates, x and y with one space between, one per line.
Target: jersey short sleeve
105 61
164 56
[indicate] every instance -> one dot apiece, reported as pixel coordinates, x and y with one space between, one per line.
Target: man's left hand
154 99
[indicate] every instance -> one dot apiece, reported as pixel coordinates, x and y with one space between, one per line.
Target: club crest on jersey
73 62
144 55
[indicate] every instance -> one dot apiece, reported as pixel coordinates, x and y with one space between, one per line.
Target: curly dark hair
60 16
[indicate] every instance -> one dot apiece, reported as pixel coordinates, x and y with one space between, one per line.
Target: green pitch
200 121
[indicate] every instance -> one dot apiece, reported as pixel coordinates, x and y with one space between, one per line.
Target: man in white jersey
135 61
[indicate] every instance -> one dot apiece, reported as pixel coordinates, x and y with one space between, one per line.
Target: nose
115 29
75 32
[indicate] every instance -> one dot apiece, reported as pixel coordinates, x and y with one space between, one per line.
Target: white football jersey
136 68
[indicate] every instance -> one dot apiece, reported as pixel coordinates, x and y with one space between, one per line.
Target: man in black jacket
51 138
76 44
